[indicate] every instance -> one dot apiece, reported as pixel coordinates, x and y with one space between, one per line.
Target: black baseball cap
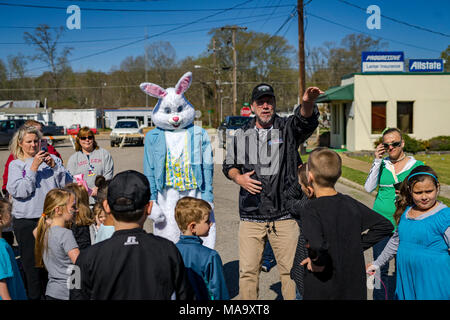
131 185
262 89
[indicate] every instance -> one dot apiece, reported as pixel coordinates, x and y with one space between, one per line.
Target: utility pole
216 89
234 28
301 53
145 65
301 60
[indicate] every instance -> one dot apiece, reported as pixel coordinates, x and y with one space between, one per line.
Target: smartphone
44 149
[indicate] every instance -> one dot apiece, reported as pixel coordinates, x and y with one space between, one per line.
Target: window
336 125
405 116
378 117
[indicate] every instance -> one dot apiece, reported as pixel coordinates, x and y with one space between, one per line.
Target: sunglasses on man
393 144
88 137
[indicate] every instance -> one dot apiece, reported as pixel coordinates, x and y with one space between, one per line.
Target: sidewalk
365 167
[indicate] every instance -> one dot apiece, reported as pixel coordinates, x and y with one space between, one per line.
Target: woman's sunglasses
393 144
88 137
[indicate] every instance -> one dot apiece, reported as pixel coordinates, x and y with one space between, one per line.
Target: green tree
327 64
446 56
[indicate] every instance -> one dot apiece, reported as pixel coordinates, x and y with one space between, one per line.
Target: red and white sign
246 111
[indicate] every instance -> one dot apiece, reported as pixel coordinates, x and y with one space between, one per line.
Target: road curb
355 185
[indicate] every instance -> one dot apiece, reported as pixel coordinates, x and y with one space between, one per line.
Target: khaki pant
252 237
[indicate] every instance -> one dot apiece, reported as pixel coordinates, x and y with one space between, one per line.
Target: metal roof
341 93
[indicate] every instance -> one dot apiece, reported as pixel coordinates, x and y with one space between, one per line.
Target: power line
146 26
359 31
147 37
77 41
135 10
291 15
398 21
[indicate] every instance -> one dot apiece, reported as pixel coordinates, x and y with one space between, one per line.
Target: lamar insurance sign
382 61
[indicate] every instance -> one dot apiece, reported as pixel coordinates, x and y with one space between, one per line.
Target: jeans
389 281
35 278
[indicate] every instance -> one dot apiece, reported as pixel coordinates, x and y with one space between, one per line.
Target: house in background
366 103
25 109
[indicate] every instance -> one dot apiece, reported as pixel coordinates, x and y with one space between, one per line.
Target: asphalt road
226 213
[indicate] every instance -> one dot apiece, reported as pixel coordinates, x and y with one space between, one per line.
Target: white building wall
67 117
431 111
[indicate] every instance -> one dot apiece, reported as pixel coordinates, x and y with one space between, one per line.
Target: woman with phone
387 174
31 176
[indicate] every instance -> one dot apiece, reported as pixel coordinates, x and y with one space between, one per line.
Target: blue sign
382 61
426 65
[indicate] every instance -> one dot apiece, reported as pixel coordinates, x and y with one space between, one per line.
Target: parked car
8 128
51 129
228 127
128 128
73 130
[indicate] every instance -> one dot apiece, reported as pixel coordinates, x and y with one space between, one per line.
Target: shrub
411 145
440 143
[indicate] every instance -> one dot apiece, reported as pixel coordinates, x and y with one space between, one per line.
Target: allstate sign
382 61
426 65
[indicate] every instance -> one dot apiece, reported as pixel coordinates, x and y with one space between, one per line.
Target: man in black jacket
132 264
262 158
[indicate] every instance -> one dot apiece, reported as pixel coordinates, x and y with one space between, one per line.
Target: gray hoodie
28 188
100 162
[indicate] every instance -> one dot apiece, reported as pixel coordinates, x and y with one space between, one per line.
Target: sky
419 28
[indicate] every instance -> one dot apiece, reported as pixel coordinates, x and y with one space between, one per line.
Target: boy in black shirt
333 226
132 264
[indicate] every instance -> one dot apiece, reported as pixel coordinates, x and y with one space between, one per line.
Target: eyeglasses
88 137
393 144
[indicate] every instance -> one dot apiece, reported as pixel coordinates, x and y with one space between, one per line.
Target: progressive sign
382 61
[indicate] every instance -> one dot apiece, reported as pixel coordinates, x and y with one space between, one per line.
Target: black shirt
132 265
333 227
274 159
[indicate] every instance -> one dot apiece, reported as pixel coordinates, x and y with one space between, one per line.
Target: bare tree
46 43
161 58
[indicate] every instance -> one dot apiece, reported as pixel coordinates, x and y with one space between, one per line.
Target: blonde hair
5 213
17 139
326 165
54 198
190 210
98 209
85 131
84 213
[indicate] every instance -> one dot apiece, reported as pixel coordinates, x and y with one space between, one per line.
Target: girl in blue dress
421 241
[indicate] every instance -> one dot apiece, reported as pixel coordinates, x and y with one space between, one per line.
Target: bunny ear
153 90
184 83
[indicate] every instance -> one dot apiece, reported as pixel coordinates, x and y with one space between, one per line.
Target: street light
221 99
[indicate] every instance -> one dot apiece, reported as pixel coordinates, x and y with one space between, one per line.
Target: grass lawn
435 161
439 163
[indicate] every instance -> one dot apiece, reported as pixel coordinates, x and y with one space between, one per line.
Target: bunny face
173 111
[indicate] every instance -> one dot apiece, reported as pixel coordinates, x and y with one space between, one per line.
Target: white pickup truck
129 130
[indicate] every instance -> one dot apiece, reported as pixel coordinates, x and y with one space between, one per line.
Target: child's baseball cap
131 185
